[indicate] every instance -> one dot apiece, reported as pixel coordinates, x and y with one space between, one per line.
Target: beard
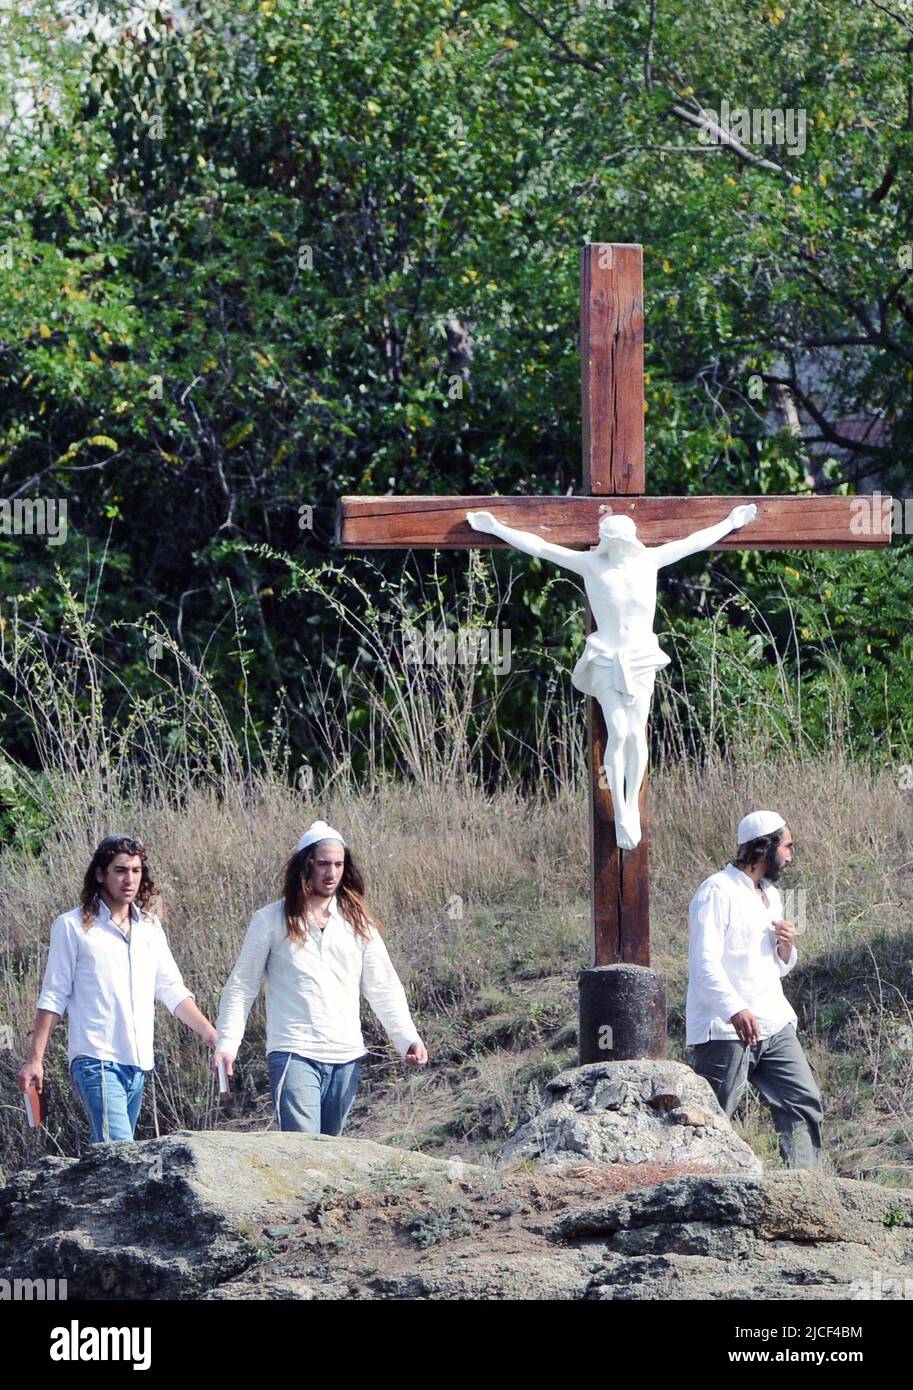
773 871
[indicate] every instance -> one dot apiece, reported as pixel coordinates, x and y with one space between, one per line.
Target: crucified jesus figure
621 657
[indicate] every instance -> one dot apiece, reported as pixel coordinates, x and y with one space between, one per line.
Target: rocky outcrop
223 1215
170 1218
631 1112
785 1236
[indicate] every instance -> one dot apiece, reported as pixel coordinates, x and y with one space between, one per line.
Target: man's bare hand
31 1074
786 938
225 1057
417 1055
747 1027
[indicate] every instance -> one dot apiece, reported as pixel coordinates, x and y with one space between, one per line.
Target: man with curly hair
108 965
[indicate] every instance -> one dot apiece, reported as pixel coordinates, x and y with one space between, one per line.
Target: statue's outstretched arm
699 540
576 560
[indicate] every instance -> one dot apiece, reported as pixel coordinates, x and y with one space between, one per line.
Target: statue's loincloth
631 671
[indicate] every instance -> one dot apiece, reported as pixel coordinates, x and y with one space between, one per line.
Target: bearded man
739 1022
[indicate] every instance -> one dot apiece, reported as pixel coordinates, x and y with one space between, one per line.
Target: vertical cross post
622 1001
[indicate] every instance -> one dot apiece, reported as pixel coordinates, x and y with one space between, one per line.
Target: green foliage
446 1221
245 249
25 807
820 657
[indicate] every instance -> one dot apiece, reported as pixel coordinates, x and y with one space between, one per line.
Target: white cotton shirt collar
333 911
104 914
745 879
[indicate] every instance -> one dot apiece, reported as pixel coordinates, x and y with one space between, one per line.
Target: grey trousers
778 1070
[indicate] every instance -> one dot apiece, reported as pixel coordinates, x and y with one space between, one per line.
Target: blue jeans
309 1096
112 1094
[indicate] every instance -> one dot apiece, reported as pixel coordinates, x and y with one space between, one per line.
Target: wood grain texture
612 399
782 523
620 892
612 367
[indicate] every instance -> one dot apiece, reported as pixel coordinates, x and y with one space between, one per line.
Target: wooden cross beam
614 480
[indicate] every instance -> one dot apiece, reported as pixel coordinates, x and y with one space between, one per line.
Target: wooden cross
611 351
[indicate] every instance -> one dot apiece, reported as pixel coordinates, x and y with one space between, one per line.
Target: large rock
632 1112
785 1236
169 1218
221 1215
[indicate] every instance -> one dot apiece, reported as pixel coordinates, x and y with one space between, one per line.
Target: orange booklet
36 1106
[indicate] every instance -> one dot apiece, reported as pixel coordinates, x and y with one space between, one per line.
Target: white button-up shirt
313 989
109 984
733 962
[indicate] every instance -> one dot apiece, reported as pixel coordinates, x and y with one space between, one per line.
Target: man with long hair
320 950
108 965
739 1021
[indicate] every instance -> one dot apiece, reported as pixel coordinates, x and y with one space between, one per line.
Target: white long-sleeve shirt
313 989
109 984
733 962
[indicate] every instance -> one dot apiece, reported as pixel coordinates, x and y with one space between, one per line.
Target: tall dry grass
483 893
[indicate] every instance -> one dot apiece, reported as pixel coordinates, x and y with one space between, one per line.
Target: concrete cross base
622 1013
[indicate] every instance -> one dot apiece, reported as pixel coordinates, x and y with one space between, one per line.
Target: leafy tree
258 255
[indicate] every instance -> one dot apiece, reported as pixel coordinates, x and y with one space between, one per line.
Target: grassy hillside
494 989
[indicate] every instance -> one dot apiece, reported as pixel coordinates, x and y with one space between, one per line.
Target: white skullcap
319 830
758 823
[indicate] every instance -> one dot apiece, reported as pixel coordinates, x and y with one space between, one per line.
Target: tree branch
705 122
829 433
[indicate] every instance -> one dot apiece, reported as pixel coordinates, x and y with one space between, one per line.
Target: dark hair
109 848
747 855
350 894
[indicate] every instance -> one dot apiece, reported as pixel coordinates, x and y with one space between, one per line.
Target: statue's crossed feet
627 833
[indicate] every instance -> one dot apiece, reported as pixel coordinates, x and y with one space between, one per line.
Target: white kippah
758 823
319 830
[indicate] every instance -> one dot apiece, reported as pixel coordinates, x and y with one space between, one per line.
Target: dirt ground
361 1239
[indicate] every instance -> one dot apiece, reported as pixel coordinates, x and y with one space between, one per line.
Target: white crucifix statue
621 657
622 999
